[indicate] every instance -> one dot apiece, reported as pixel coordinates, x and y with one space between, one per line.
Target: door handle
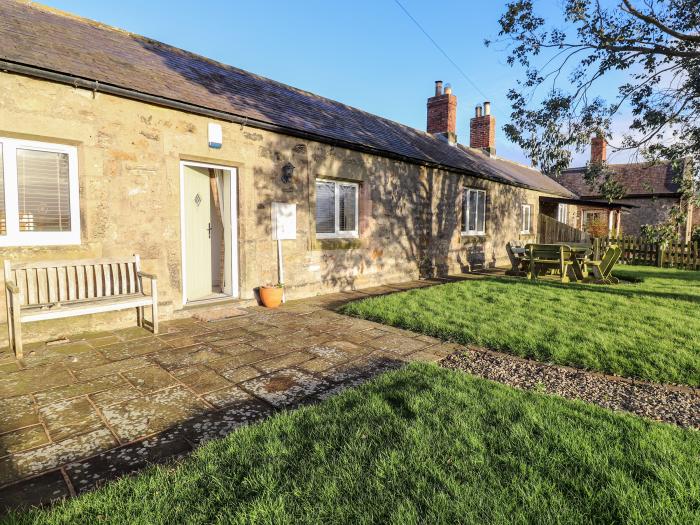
209 230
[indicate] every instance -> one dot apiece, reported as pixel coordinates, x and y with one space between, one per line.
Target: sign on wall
284 221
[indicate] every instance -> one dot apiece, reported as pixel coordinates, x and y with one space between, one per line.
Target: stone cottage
114 144
651 190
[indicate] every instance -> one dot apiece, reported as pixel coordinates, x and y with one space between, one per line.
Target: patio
77 414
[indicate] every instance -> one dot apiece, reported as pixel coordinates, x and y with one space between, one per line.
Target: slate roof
44 38
638 179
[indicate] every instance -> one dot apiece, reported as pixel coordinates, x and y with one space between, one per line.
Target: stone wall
129 156
651 210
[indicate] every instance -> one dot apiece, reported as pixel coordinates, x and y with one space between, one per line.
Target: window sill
39 241
473 234
337 243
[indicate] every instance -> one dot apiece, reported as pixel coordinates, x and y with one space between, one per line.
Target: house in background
114 144
651 190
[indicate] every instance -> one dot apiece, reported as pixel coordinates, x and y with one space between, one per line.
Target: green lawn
422 444
648 329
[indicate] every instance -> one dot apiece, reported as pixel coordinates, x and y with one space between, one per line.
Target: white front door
197 209
200 185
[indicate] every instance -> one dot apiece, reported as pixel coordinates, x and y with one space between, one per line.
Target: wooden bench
56 289
602 270
544 257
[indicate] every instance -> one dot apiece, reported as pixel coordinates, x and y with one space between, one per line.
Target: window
591 215
38 194
473 212
563 213
526 218
336 209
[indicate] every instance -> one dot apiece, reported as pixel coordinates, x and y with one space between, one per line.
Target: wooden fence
550 230
684 255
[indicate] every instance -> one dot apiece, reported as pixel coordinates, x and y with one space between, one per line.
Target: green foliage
660 233
419 445
696 234
656 43
601 178
647 330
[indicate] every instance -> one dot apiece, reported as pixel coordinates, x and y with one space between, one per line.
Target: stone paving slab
103 404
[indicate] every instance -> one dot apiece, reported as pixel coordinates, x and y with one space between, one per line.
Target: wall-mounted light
287 172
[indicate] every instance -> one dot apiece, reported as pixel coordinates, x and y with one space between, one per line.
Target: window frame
465 212
524 207
563 207
592 212
338 234
15 237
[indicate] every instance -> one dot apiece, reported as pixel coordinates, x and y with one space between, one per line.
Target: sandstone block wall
129 156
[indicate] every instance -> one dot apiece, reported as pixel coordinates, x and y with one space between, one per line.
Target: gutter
111 89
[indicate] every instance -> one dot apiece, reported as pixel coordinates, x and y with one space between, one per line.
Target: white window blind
526 219
336 209
348 208
43 191
474 212
38 194
325 207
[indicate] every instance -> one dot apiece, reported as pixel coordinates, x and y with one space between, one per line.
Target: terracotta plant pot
271 296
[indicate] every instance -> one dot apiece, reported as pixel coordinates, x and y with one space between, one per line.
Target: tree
657 45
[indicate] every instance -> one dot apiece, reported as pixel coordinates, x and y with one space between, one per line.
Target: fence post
659 255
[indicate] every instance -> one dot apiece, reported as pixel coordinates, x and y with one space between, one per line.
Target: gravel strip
671 404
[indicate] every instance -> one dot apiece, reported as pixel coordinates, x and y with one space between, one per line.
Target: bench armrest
150 276
12 287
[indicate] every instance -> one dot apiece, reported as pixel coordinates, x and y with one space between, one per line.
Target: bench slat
80 281
90 280
85 307
72 287
52 283
43 282
107 279
32 289
99 281
132 277
23 287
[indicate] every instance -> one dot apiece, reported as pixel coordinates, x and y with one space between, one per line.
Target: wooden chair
517 260
546 257
602 270
57 289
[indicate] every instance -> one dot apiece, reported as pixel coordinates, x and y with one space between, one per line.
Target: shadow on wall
414 213
401 229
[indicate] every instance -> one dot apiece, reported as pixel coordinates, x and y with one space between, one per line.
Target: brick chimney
482 129
598 147
442 113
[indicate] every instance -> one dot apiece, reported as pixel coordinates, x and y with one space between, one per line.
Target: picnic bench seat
516 255
56 289
544 257
602 270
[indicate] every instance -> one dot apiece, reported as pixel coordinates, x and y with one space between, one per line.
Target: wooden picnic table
577 255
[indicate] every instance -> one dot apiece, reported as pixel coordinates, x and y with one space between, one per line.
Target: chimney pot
487 108
438 88
448 89
477 111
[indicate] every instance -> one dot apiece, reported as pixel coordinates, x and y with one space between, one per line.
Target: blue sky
367 54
